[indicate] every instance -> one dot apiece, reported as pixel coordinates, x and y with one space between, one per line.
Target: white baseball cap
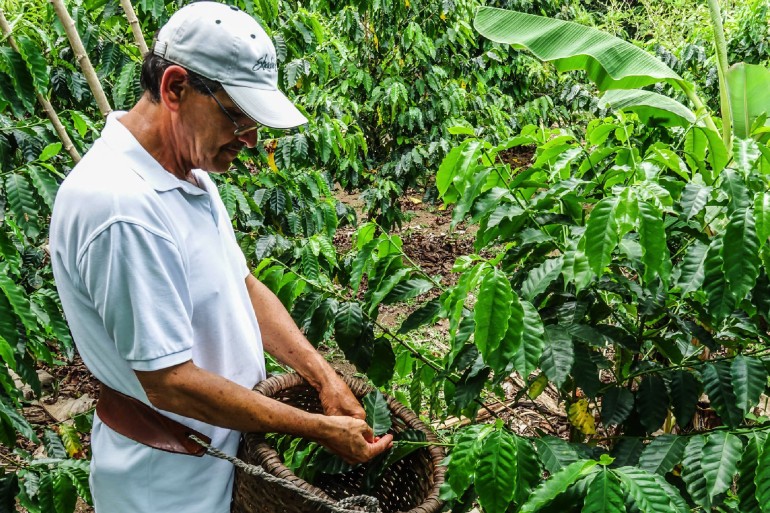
224 44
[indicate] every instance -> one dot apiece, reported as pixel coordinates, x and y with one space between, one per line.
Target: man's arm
282 339
188 390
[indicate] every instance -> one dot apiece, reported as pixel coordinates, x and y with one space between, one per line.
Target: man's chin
222 164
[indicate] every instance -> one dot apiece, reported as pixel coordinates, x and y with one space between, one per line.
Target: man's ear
173 87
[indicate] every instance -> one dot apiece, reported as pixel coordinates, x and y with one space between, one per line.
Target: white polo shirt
150 276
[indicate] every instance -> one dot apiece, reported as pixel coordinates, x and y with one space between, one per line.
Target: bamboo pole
69 147
135 27
82 57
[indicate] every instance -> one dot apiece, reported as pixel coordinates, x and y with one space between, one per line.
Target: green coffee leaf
383 364
377 412
741 262
426 314
721 300
21 201
491 312
17 299
749 378
747 469
604 494
643 489
54 447
617 404
652 402
9 488
555 453
323 317
558 356
601 234
718 384
662 454
541 277
465 456
685 391
408 289
528 473
496 472
557 484
693 474
720 462
9 415
693 269
694 199
45 184
653 240
50 151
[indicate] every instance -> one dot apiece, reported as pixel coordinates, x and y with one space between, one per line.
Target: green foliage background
625 265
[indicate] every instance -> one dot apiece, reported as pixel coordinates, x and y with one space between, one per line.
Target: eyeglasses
239 130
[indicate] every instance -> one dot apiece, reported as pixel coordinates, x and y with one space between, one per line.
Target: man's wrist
322 375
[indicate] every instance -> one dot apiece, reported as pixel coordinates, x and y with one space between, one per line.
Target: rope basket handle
361 502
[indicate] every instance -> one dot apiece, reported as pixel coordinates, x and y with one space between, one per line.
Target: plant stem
422 444
687 364
722 65
14 463
689 90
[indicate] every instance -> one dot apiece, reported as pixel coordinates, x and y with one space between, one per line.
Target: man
157 293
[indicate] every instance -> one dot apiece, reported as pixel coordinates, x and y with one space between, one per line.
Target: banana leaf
610 63
749 87
652 108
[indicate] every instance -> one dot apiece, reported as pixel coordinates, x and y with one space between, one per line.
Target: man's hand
337 399
352 440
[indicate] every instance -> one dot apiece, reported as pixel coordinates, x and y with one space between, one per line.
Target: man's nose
249 138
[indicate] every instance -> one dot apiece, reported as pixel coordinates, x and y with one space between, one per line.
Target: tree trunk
82 57
49 110
135 27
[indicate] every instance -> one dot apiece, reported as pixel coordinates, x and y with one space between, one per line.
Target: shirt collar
122 141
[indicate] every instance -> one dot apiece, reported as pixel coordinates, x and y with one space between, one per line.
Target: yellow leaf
71 440
443 16
415 201
406 3
581 418
376 41
270 147
537 387
379 116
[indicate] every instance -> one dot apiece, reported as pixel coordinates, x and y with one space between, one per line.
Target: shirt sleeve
136 279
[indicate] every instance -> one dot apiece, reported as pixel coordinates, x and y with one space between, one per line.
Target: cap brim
267 107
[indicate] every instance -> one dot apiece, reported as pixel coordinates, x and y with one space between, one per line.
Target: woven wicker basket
410 485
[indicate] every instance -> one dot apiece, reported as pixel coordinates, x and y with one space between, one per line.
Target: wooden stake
82 57
135 26
49 110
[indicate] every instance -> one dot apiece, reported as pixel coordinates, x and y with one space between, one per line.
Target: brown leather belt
135 420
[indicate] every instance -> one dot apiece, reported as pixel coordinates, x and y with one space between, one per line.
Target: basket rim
270 460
